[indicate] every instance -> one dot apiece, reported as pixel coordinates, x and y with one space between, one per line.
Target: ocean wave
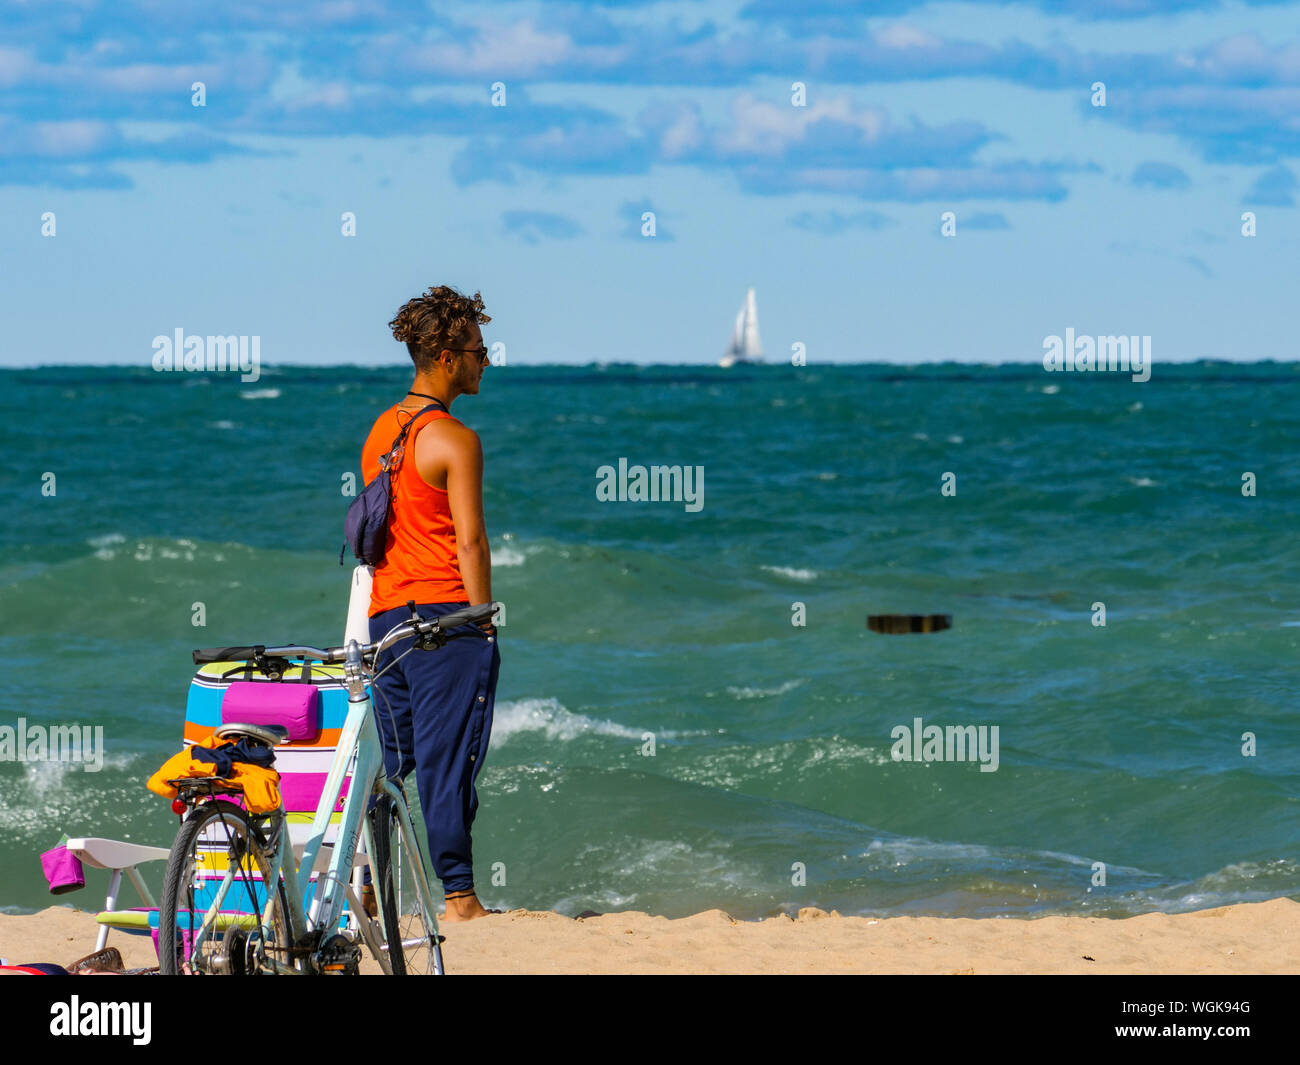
107 548
104 545
791 572
625 872
1239 882
48 797
736 767
549 717
764 693
507 556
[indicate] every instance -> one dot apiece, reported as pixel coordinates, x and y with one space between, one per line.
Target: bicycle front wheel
410 926
218 848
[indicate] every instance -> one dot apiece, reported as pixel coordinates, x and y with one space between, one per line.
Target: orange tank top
420 558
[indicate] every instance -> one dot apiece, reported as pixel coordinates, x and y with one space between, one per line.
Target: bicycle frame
358 739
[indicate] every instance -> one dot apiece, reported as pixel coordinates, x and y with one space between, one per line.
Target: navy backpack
366 525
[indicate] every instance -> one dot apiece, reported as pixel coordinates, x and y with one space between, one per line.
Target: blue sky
225 219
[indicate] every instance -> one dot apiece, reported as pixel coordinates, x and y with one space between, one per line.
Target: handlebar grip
467 615
226 654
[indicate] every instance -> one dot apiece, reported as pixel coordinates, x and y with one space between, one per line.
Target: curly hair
434 321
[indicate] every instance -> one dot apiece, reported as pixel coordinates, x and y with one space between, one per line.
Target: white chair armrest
114 854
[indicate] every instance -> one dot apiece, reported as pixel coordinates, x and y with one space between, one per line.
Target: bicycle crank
338 956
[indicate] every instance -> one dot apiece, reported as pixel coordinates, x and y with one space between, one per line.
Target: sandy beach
1246 938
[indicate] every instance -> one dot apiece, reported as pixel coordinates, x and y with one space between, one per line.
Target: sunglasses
481 351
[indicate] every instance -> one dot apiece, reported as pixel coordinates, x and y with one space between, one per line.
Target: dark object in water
893 624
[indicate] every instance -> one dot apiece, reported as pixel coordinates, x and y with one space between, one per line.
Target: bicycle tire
197 842
411 934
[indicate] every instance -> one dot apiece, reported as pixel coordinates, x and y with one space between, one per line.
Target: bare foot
464 906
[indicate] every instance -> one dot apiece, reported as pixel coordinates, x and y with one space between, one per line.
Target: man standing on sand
434 708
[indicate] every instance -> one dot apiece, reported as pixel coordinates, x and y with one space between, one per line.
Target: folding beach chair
303 764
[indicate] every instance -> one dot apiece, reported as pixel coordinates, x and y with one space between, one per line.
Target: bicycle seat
270 735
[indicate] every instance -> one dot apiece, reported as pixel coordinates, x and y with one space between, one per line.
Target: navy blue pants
434 712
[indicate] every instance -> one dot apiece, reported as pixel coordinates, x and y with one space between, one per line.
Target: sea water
691 710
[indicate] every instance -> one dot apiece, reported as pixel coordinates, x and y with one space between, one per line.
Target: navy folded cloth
226 755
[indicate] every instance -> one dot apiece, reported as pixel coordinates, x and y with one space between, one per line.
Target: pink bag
295 706
62 869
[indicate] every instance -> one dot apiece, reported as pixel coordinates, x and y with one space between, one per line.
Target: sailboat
745 346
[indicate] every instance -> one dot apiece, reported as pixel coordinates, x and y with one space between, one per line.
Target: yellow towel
260 785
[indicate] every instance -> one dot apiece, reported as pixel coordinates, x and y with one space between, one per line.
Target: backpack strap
435 405
386 462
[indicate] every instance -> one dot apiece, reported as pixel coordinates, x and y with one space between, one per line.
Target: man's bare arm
464 453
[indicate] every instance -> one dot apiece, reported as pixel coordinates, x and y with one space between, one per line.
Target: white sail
745 344
753 346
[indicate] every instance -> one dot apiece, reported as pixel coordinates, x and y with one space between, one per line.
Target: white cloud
499 51
760 127
15 66
900 36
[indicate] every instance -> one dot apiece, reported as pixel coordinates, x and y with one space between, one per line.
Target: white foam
52 788
43 778
792 573
549 717
105 544
261 393
507 556
105 548
763 693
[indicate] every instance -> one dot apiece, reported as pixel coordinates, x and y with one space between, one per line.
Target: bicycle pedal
338 956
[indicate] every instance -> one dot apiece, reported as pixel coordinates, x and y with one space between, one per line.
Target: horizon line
271 368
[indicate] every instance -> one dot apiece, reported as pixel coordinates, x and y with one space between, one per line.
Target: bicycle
281 929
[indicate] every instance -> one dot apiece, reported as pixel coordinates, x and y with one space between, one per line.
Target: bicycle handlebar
427 627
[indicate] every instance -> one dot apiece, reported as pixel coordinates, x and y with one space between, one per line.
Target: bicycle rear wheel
410 926
216 837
